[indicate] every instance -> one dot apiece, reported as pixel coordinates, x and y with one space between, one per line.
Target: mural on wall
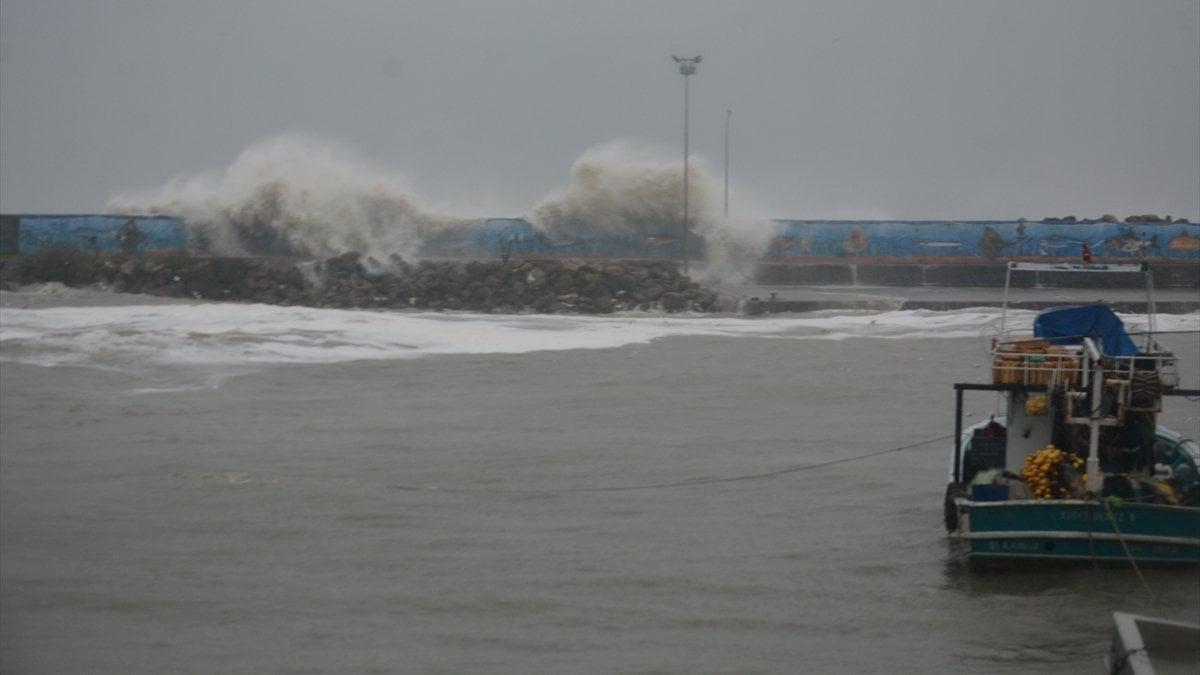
791 240
1185 242
976 241
991 244
103 233
858 241
492 237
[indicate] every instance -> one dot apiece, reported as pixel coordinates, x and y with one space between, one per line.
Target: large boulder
344 265
674 302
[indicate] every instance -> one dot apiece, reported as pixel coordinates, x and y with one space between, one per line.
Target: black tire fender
949 508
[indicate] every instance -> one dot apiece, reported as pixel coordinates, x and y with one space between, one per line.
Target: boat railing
1026 360
1157 367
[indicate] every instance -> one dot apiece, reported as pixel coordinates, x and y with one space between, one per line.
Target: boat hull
1079 530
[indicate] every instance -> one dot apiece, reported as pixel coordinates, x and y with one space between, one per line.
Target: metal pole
1008 268
958 406
1151 310
687 66
727 115
1094 484
685 174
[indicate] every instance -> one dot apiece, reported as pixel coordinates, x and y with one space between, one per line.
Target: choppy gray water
441 514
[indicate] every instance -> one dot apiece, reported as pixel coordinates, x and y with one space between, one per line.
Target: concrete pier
1167 274
772 299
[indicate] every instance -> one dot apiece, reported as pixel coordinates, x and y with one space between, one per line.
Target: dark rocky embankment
544 286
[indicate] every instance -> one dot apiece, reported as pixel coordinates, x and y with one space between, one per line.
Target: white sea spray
294 193
634 190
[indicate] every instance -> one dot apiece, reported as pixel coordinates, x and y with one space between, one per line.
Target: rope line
678 484
1121 538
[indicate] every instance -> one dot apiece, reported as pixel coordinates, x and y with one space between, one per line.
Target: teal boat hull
1080 530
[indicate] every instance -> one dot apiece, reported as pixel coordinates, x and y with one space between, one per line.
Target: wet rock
343 281
674 302
344 265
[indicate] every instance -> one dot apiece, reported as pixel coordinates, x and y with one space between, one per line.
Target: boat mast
1151 310
1004 307
1093 459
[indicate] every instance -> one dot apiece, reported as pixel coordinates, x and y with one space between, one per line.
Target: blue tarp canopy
1069 325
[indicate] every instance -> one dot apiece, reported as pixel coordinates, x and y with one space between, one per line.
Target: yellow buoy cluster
1036 406
1041 472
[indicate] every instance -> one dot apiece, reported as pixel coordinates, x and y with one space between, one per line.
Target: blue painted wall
486 238
981 240
790 240
862 241
98 233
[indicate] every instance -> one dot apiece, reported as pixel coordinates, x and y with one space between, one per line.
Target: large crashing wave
624 190
293 194
632 191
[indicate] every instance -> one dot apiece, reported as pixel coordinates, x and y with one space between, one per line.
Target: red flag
1087 254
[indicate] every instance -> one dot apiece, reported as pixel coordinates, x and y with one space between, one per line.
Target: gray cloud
853 109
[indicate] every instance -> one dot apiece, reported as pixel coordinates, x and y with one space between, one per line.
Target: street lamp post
687 66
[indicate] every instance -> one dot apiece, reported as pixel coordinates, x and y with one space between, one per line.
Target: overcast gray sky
915 109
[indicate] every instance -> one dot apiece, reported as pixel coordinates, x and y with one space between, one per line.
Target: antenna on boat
1151 310
1004 307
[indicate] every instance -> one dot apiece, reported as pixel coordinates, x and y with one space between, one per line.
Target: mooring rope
691 482
1121 538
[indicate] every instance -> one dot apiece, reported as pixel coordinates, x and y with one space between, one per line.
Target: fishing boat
1144 645
1078 468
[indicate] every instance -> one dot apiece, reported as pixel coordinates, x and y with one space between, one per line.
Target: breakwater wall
758 306
546 286
950 242
796 252
800 241
92 232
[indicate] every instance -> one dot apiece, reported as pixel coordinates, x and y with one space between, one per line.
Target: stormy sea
206 487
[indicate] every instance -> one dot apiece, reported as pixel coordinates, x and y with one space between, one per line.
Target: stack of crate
1035 361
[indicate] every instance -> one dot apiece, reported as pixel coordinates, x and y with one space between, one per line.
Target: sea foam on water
219 334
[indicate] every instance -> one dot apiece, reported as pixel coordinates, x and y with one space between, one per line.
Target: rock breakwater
541 286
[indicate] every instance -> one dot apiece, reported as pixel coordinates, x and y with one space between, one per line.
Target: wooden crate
1006 369
1031 346
1035 369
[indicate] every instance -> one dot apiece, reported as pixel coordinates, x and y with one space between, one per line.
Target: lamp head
687 66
